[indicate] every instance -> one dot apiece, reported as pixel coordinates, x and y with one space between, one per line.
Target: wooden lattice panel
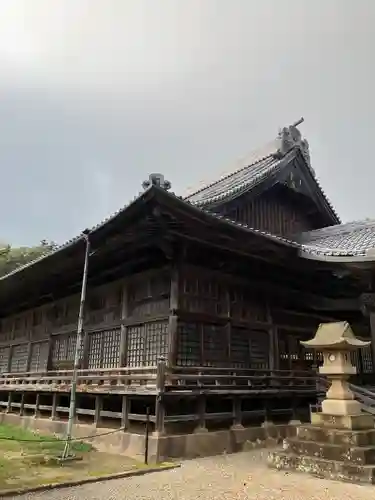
63 347
367 364
189 344
146 343
204 295
136 343
4 359
39 357
149 296
259 349
104 349
239 348
19 358
215 345
111 348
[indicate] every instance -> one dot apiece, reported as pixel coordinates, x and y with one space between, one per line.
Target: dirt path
231 477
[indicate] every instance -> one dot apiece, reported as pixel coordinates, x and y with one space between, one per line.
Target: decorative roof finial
157 180
290 137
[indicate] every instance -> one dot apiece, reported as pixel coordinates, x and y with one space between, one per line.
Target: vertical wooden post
125 412
55 401
37 404
237 413
159 404
98 409
372 330
124 329
22 404
9 405
273 342
201 411
228 328
173 318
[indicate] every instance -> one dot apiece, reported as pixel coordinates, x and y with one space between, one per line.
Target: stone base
352 422
324 469
322 451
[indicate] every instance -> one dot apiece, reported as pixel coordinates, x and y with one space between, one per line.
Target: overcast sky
97 94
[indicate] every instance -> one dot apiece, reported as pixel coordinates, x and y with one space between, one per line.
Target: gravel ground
228 477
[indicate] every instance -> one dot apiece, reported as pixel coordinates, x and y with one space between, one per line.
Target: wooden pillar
201 411
160 403
98 409
55 400
123 359
37 404
22 404
274 363
125 412
173 318
237 413
367 301
372 330
9 405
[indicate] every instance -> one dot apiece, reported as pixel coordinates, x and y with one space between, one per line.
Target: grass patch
25 460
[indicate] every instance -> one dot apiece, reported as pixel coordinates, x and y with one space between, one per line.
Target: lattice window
189 344
4 358
111 348
367 365
239 348
39 357
135 345
146 343
259 349
19 358
64 348
215 345
156 342
95 350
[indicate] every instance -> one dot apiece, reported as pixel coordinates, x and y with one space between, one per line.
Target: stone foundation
341 454
162 448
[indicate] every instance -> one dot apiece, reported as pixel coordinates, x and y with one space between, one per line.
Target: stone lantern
340 441
336 341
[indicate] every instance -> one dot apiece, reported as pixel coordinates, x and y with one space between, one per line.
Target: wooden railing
163 379
102 380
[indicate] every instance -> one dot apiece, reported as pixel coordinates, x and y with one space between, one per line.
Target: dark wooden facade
224 307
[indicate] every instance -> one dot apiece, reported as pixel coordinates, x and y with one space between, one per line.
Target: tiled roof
240 181
354 239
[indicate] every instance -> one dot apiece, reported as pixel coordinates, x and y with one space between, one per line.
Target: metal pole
77 354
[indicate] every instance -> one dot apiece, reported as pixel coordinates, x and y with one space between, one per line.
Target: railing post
160 389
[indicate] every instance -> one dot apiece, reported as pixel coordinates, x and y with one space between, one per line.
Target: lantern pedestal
339 443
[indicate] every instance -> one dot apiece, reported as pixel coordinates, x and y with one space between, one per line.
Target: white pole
77 354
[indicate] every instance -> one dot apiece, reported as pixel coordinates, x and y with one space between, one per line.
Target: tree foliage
13 257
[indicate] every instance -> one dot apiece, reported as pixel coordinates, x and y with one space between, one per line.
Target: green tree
13 257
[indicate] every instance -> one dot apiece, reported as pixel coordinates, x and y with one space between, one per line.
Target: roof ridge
220 179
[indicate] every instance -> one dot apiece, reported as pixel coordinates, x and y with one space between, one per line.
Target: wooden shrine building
195 305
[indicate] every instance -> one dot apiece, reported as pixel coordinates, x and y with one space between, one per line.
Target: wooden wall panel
273 212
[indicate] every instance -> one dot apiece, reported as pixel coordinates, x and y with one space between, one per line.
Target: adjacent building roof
354 239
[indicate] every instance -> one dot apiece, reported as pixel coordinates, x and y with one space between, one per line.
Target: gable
277 211
286 163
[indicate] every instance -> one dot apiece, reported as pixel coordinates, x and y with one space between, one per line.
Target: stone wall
161 448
